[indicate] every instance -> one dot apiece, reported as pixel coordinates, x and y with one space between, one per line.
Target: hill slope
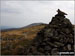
13 40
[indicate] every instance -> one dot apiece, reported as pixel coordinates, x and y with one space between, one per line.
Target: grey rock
47 48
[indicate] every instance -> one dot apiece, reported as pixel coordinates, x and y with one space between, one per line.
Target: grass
14 40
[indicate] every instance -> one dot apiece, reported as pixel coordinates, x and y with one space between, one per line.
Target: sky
23 13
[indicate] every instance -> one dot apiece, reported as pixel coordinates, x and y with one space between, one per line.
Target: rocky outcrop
57 36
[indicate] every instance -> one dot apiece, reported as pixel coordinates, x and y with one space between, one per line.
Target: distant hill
34 24
5 27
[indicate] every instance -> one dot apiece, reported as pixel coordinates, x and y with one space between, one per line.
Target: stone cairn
57 36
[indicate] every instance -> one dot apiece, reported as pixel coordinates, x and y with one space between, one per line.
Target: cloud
22 13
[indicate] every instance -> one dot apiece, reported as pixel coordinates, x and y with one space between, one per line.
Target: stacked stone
57 36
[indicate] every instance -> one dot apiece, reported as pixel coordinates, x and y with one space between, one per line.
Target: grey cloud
22 13
6 10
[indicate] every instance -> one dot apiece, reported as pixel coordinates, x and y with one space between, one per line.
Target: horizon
23 13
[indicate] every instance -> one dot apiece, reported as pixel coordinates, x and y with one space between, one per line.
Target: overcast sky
22 13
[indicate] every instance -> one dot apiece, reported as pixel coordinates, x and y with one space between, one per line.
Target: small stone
54 51
41 49
59 44
69 47
52 44
47 48
44 44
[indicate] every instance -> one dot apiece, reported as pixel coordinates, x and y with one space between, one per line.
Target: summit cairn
60 12
57 36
